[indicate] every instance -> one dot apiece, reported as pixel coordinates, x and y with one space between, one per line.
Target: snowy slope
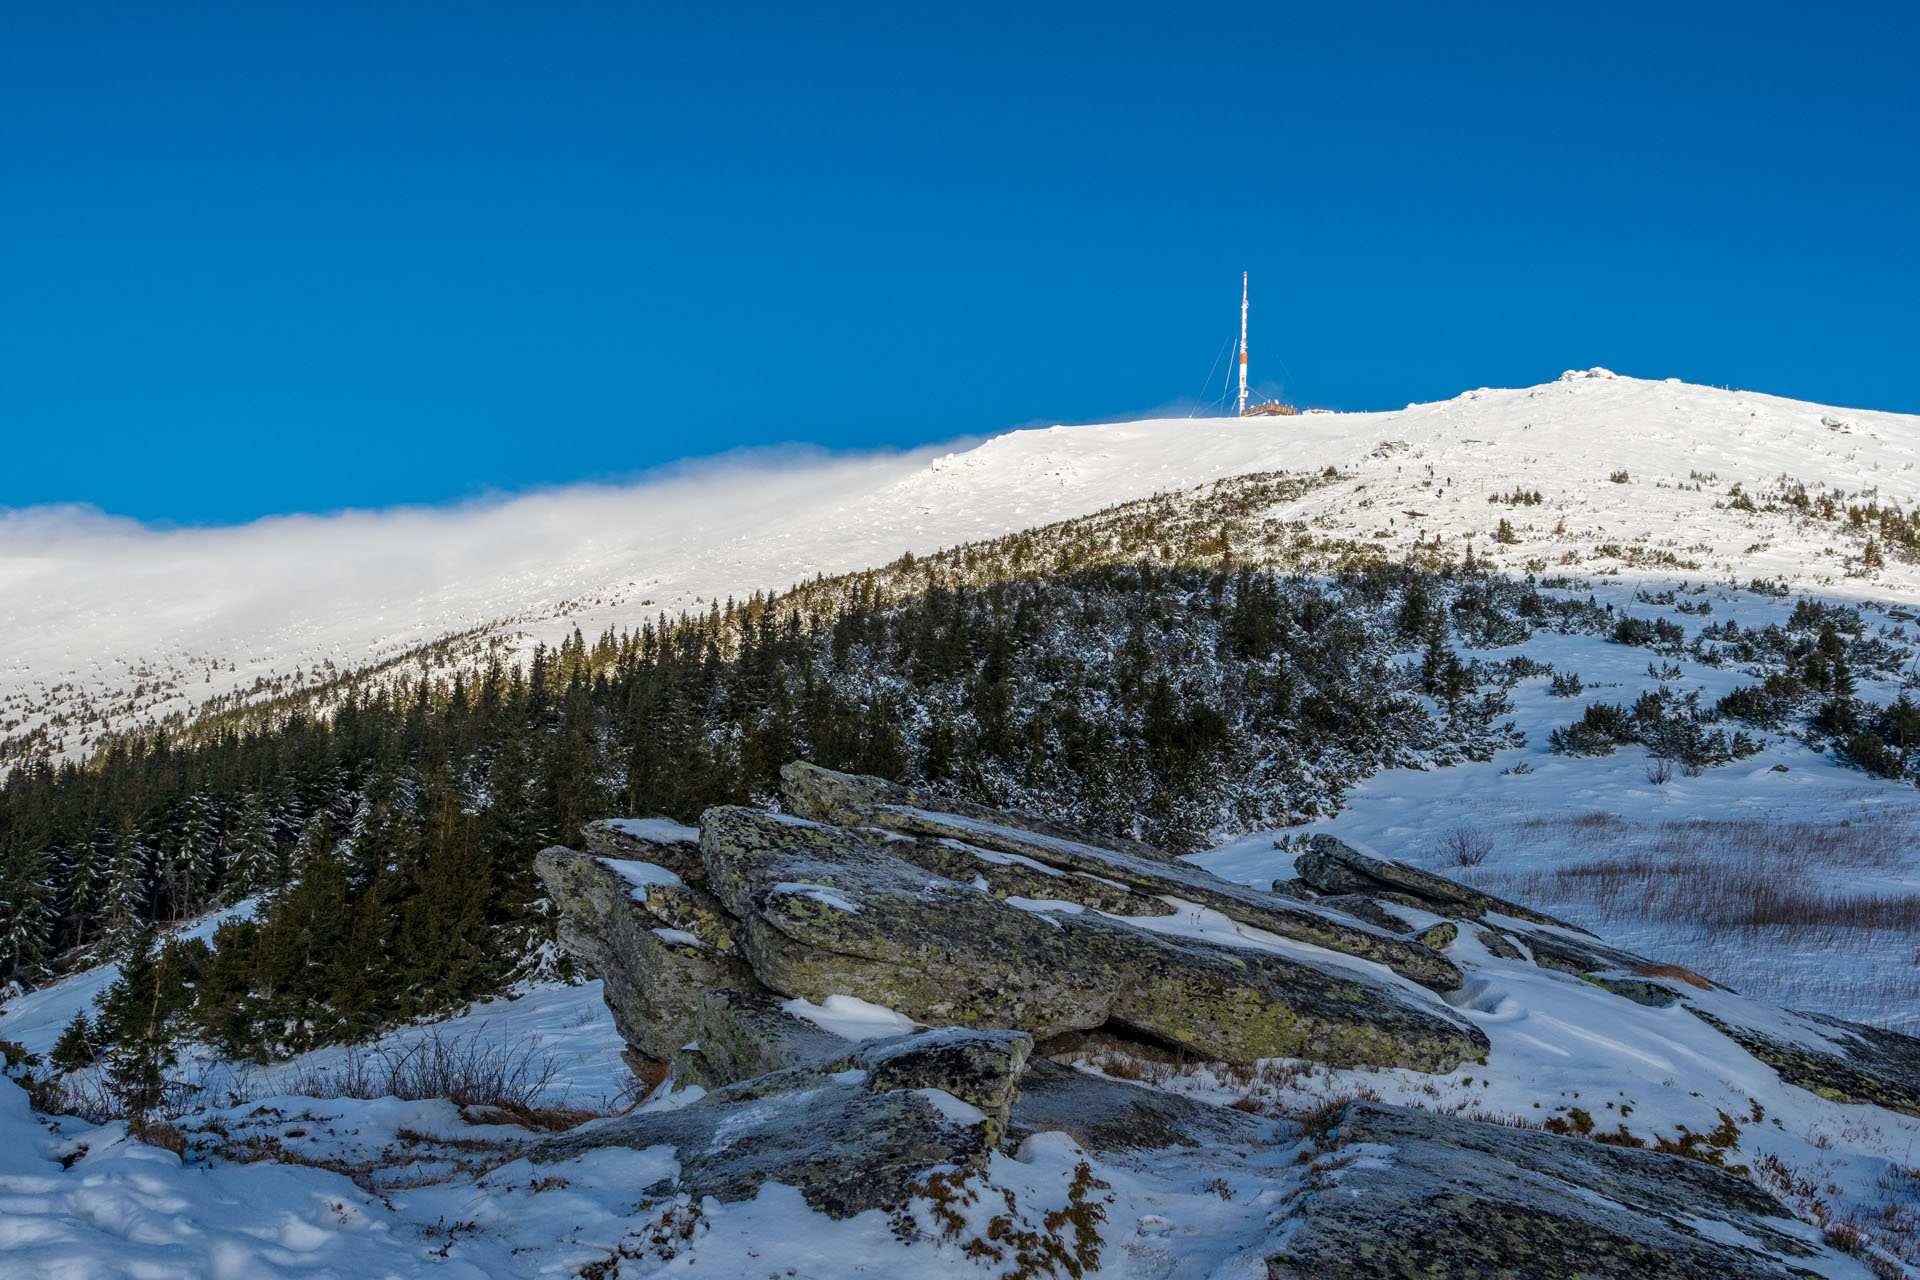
1665 865
386 1187
143 623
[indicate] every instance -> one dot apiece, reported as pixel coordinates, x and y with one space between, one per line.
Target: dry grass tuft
507 1079
1885 1236
156 1132
1744 874
1316 1122
1677 972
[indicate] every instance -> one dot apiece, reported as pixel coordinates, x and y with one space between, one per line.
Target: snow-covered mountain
1785 873
111 625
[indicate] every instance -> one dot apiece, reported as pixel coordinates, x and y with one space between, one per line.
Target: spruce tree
249 850
1453 682
77 1046
1435 656
123 908
26 910
84 883
134 1013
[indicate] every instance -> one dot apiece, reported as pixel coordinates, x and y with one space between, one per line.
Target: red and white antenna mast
1243 344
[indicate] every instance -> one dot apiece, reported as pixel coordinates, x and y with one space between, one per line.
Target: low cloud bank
80 588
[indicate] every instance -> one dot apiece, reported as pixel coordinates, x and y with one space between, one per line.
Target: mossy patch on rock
1654 995
874 802
1839 1060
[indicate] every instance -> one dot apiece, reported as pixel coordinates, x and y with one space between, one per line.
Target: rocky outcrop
871 802
1839 1060
696 961
1240 1005
854 1132
1016 946
1432 1195
659 945
793 908
826 911
1331 866
1111 1115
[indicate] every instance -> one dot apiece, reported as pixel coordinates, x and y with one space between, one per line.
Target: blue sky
269 257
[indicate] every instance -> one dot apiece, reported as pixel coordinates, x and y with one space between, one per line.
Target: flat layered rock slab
1416 1194
845 1149
848 799
852 1133
843 798
1008 875
1242 1005
737 1036
829 911
1330 865
656 840
1567 953
1105 1115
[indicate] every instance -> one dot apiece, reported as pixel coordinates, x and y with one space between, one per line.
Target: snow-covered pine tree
123 906
1435 653
83 884
26 909
247 842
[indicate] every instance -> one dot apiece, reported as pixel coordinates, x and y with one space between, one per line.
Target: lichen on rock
873 802
1444 1196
